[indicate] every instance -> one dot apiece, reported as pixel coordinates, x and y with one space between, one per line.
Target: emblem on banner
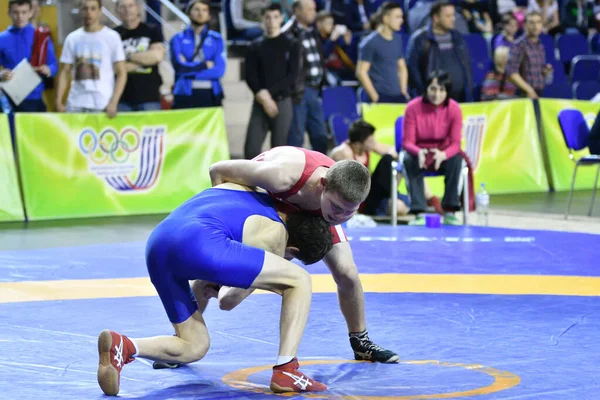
126 160
474 132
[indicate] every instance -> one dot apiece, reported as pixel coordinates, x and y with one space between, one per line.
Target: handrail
178 13
111 16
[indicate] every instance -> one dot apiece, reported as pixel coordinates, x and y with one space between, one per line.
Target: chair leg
393 195
465 189
594 192
571 191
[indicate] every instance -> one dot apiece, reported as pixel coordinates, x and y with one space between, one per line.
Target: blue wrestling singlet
202 239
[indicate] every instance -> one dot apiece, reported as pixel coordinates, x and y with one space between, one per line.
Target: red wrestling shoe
114 351
287 378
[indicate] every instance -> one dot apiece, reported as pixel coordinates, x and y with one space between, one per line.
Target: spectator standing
144 50
477 16
340 48
381 68
439 45
510 27
527 66
579 15
308 106
19 43
272 65
548 9
198 57
432 133
92 56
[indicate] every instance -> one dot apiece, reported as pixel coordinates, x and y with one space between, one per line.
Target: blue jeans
150 106
308 116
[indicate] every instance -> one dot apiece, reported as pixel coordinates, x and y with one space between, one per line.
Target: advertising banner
499 137
561 165
86 165
11 208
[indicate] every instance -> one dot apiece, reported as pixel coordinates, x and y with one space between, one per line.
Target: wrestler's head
347 184
309 238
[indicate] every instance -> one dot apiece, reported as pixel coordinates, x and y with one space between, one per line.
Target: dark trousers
260 123
416 186
199 98
381 182
308 116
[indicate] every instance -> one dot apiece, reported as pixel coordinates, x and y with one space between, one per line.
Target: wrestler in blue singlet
202 239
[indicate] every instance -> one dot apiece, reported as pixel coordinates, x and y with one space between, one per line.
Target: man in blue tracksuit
198 57
16 44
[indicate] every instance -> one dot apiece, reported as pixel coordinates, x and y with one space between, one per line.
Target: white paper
23 82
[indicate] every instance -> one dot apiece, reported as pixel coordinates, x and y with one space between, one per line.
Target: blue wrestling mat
475 312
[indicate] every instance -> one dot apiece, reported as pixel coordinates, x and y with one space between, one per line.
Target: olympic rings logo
109 145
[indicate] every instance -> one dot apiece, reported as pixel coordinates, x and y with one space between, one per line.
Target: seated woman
361 142
432 133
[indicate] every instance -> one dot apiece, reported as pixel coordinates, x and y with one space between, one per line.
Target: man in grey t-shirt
381 68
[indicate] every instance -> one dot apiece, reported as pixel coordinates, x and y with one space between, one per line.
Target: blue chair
398 167
595 43
585 90
576 134
478 48
585 68
572 45
549 47
558 71
339 100
338 125
558 90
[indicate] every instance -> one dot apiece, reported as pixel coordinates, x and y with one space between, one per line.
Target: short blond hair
350 179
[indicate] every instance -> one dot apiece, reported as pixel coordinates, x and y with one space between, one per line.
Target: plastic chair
585 68
339 100
549 47
398 167
558 90
576 134
478 48
572 45
338 125
585 90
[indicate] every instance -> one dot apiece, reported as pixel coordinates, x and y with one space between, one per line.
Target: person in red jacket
432 133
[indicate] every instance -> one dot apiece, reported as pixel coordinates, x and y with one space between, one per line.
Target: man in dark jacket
308 106
440 46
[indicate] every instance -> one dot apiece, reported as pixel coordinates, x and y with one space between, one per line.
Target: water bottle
483 204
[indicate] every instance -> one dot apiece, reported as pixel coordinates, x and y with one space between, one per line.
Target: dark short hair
271 7
387 7
192 3
375 20
312 236
437 7
359 131
19 3
97 1
322 15
507 18
443 79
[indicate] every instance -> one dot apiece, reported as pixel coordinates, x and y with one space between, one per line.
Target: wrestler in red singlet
313 160
368 153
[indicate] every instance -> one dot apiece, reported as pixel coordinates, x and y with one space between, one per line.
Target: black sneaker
366 350
165 365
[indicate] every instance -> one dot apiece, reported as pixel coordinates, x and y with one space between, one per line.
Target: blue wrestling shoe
366 350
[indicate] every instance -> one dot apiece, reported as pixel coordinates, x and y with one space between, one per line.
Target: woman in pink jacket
431 142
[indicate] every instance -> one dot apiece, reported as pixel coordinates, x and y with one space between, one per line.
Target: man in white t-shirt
92 57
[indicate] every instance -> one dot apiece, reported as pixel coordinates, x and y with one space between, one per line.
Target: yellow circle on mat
502 380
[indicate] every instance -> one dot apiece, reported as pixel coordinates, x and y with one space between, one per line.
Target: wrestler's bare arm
280 169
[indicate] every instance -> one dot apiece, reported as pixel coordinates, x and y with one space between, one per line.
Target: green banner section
86 165
11 208
499 137
561 165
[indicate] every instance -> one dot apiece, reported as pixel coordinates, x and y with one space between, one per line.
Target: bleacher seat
338 125
339 100
572 45
595 43
586 90
477 46
558 90
558 72
585 68
549 47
